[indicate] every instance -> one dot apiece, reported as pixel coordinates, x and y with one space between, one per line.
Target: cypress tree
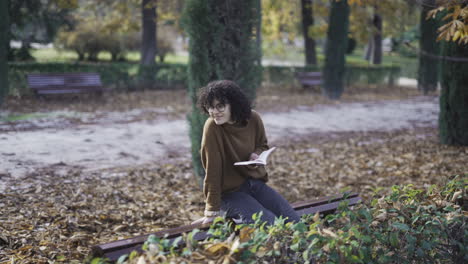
4 43
428 71
337 38
222 45
453 116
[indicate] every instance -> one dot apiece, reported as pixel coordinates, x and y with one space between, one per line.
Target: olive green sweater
222 145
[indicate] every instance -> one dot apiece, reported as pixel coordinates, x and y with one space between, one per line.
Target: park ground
81 171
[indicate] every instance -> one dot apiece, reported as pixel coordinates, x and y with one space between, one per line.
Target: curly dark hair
226 92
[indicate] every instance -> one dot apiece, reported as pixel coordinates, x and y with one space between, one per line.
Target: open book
261 160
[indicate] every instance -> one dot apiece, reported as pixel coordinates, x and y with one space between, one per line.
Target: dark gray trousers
255 196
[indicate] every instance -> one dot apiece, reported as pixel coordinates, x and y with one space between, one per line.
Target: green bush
409 225
116 76
354 74
129 76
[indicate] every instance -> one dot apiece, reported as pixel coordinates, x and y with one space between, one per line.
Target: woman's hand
253 156
204 221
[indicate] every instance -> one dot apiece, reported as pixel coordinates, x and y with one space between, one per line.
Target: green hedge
409 225
130 76
354 74
116 76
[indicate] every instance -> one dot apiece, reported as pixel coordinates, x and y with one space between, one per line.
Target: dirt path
117 142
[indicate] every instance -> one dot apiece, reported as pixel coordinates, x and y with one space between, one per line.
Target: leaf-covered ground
58 216
57 213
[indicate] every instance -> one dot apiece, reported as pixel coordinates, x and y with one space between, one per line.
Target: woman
232 133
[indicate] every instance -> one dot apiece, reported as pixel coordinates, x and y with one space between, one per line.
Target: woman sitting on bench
232 133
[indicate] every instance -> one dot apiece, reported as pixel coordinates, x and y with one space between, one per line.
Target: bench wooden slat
309 74
113 250
327 208
322 200
309 78
64 83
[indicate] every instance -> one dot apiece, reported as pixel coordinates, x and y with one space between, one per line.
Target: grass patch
56 55
22 117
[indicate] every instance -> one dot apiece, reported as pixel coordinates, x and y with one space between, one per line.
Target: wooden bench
64 83
309 79
113 250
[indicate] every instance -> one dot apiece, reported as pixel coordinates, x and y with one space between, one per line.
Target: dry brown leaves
57 215
363 162
287 97
175 101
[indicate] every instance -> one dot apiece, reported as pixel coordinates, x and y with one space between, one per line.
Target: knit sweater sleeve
212 162
261 141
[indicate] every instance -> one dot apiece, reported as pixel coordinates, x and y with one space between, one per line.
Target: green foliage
354 74
116 76
38 21
407 226
221 47
121 76
4 42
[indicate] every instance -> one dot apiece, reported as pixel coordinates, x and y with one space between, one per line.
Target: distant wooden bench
113 250
64 83
309 79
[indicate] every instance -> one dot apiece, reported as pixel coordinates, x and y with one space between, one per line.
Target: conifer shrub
409 225
222 46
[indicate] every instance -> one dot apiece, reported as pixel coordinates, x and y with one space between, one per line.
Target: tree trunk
148 43
222 45
453 116
259 32
369 49
377 51
4 43
337 38
428 71
307 22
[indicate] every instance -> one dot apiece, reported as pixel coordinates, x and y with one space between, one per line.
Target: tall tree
4 43
222 45
148 44
374 47
280 24
337 38
377 38
307 23
453 116
37 21
428 71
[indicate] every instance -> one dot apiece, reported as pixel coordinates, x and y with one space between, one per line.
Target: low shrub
408 226
355 75
116 76
131 76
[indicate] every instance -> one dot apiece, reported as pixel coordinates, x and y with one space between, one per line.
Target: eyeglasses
219 107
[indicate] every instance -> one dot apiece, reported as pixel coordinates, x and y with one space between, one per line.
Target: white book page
264 155
261 160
